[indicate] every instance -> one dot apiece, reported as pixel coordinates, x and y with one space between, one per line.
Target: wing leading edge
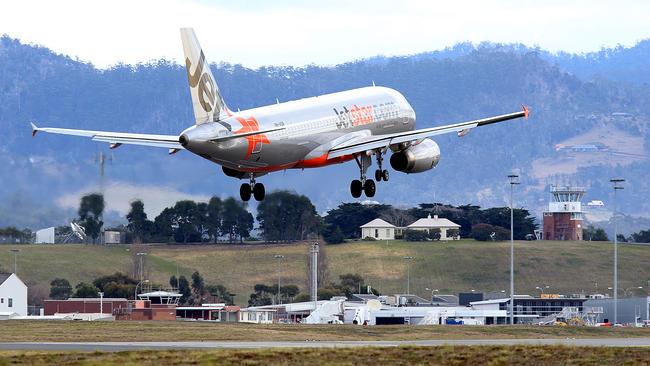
117 138
384 141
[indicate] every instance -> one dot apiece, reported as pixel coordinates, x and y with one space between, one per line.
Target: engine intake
416 158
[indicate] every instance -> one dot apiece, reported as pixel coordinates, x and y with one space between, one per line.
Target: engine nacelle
416 158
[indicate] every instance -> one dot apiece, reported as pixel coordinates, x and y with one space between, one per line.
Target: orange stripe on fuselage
316 162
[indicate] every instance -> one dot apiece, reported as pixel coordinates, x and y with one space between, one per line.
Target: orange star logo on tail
249 125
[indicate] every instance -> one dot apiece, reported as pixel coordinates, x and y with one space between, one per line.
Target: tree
198 285
236 221
642 236
351 283
487 232
117 285
90 212
182 286
415 235
60 289
453 233
214 218
86 290
187 221
350 216
139 226
592 233
286 216
523 222
333 234
220 293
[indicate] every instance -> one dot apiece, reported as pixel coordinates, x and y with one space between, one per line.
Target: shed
13 294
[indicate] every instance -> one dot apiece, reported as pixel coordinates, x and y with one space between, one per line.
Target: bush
369 238
415 235
483 232
333 234
592 233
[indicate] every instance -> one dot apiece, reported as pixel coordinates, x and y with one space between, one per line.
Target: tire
385 175
378 174
356 188
245 192
259 192
369 188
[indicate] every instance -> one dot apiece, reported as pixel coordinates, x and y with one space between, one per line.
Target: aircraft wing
383 141
118 138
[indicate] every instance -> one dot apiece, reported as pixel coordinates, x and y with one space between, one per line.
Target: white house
13 295
435 222
258 315
378 229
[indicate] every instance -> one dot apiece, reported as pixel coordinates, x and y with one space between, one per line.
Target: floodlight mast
616 187
513 181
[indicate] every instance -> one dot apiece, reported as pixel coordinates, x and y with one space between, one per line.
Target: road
131 346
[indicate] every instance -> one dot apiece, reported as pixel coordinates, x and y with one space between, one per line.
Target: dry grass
60 331
568 267
445 355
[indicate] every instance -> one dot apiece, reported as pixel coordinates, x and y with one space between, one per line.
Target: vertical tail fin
206 98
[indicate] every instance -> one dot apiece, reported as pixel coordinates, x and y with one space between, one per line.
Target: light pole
408 274
279 258
514 180
15 251
616 181
135 293
101 304
140 256
541 288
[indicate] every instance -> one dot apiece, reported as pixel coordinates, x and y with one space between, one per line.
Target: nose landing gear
256 190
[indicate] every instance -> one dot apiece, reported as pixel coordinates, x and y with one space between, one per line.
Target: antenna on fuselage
373 83
277 101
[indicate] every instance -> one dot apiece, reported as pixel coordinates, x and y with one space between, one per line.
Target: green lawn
567 267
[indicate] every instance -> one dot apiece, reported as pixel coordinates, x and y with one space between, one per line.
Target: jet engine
416 158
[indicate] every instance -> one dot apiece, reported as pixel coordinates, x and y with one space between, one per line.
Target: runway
132 346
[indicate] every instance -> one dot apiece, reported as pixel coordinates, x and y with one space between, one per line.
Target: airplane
356 124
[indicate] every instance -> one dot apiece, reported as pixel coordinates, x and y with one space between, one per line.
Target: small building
631 310
209 312
45 236
528 309
112 237
431 223
378 229
13 295
258 315
108 306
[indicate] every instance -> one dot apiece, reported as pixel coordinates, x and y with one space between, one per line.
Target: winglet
34 129
526 111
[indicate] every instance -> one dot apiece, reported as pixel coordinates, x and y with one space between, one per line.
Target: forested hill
571 104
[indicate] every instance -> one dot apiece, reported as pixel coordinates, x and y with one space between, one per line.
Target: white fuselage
311 126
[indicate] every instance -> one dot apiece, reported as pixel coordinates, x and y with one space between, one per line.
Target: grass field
60 331
567 267
446 355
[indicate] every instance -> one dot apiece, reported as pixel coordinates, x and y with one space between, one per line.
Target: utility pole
279 258
513 181
140 269
314 273
616 181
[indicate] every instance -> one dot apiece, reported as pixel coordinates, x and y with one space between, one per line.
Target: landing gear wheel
384 175
245 192
369 188
378 175
355 188
259 192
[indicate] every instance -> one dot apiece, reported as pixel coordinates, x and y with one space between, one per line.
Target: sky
297 33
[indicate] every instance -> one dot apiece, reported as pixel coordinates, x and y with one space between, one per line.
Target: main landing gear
364 185
255 189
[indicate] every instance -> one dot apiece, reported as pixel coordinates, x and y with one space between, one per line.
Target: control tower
563 220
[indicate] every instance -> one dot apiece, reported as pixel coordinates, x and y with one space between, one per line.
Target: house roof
433 222
378 223
4 276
